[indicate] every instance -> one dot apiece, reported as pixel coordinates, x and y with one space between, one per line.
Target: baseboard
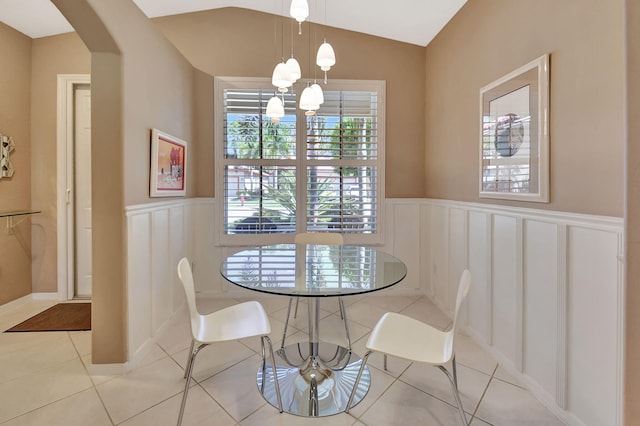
108 369
45 296
15 303
26 299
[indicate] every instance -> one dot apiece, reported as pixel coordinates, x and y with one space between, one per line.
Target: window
301 173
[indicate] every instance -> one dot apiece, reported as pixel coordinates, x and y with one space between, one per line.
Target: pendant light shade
299 10
326 57
281 77
308 101
275 109
317 93
294 69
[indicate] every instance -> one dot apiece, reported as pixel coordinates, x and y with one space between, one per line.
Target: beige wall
239 42
139 82
61 54
202 38
632 216
185 108
490 38
15 102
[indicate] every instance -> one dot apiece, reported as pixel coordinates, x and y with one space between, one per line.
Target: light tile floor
44 378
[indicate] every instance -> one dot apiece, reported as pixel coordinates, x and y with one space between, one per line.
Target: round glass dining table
316 378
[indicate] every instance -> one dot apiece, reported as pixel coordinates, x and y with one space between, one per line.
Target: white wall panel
406 243
425 249
440 254
540 324
206 264
157 237
161 271
457 254
139 281
504 287
593 321
545 299
479 298
178 249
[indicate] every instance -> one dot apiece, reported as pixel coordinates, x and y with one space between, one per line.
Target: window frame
301 162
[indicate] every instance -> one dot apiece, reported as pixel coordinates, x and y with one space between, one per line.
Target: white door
82 184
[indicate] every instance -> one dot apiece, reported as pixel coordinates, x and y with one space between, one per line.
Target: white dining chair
239 321
404 337
317 238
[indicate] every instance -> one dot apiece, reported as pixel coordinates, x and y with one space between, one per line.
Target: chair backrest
319 238
186 277
463 290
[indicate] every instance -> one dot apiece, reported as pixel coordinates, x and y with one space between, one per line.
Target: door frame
67 84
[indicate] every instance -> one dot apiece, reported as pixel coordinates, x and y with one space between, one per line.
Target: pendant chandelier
287 73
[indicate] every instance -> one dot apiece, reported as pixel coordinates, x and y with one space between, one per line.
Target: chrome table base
316 379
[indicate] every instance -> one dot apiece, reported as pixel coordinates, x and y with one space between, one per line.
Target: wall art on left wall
168 173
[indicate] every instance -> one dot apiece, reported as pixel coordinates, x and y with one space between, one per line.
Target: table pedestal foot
314 385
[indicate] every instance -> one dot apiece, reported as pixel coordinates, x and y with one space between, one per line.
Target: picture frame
168 172
514 135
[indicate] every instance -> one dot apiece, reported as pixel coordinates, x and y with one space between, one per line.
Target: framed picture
168 165
514 134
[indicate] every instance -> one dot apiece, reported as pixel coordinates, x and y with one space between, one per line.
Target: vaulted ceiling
410 21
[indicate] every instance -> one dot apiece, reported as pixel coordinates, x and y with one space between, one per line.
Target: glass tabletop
313 270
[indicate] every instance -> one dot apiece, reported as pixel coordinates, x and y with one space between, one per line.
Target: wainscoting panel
546 299
540 291
593 319
438 231
479 306
425 250
138 282
158 235
404 243
178 249
161 270
505 305
457 256
206 256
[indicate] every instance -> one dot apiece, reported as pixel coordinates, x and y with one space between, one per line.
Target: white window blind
298 174
342 166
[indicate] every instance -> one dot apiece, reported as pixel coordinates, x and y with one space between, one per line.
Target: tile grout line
93 386
93 383
473 416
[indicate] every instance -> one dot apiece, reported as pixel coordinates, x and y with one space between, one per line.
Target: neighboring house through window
300 173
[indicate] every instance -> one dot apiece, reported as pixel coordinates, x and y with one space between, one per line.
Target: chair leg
286 322
384 362
274 369
192 360
263 368
295 313
355 385
456 394
343 315
454 370
189 358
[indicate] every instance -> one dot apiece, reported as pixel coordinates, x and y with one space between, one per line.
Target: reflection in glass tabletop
316 378
313 270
